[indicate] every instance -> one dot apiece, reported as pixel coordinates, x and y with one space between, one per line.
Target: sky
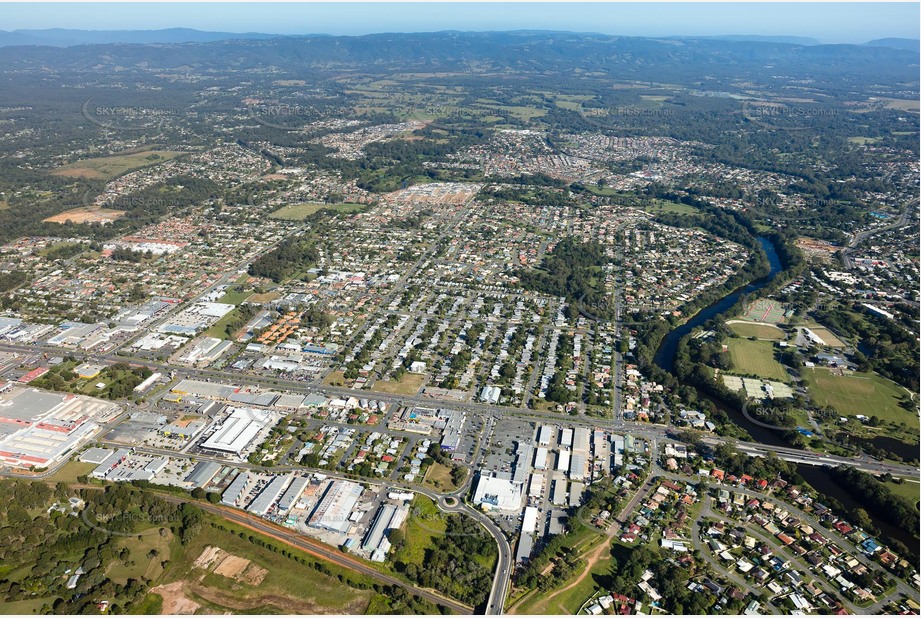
829 22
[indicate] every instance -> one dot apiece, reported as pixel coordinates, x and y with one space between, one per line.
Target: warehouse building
389 517
540 460
293 493
203 473
562 461
522 462
236 489
268 496
544 435
237 430
332 513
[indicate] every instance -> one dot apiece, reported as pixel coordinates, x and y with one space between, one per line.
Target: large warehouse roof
237 430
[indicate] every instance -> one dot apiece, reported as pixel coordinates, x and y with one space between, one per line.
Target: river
665 355
815 476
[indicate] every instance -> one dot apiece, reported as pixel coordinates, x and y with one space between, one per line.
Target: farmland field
756 358
858 393
299 212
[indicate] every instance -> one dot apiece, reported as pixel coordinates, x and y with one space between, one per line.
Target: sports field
858 393
761 331
764 310
827 336
299 212
756 358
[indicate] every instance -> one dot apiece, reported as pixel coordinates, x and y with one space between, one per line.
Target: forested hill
490 52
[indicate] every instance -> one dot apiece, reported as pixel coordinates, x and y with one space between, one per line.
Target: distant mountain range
64 37
906 44
669 60
61 37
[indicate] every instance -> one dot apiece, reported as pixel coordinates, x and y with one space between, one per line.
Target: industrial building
293 493
237 430
332 513
536 486
544 435
540 460
202 473
523 455
529 521
525 547
562 461
236 489
268 496
389 517
566 437
578 466
559 492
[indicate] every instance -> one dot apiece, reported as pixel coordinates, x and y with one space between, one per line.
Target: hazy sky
825 21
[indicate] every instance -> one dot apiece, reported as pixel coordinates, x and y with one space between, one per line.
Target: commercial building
544 435
497 493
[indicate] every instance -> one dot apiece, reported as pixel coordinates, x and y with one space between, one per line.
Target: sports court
764 310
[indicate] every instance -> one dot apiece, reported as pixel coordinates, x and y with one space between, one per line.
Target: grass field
217 330
908 490
107 168
761 331
439 477
673 207
69 472
234 297
858 393
408 385
263 298
144 565
335 378
299 212
756 358
27 606
289 587
424 524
